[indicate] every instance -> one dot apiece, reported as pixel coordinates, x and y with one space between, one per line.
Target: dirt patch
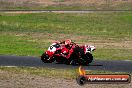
66 2
116 45
13 80
79 2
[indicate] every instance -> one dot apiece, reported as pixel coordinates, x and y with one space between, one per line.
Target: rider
69 46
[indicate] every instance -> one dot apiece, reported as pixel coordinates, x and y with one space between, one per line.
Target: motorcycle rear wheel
73 62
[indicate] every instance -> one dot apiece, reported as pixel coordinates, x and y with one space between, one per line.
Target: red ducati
79 55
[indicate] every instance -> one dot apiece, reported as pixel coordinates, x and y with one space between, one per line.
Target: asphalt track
28 61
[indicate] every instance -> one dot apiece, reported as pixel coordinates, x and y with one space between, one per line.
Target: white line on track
16 66
10 66
127 60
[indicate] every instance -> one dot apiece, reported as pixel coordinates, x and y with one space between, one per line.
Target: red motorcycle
79 55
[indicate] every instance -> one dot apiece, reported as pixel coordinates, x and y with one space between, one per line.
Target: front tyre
88 58
46 59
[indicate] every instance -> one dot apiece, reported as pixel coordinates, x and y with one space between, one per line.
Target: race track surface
115 66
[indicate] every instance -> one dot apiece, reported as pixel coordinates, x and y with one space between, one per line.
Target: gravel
13 80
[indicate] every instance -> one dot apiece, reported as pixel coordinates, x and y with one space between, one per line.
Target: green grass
17 45
29 34
113 54
47 72
52 72
99 24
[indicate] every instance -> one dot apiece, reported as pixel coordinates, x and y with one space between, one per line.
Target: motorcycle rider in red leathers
68 49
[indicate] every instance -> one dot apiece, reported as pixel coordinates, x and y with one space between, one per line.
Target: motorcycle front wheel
89 57
46 59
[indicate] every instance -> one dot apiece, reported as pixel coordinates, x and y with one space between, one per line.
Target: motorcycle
80 55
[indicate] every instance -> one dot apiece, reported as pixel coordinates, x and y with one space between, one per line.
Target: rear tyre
67 62
46 59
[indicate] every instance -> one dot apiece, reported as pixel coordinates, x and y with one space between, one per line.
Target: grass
113 54
17 45
96 24
52 72
47 72
31 34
